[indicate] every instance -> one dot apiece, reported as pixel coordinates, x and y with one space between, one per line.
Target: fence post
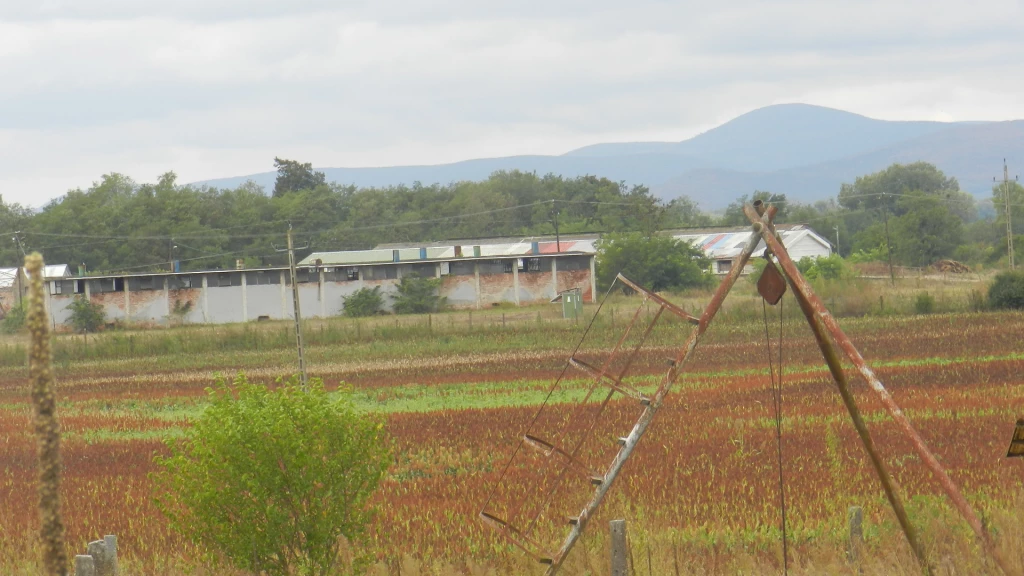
111 541
84 565
856 518
618 541
102 558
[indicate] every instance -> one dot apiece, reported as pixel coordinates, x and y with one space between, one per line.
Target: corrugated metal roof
8 276
722 245
407 255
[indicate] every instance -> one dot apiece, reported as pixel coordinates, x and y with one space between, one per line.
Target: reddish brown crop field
701 490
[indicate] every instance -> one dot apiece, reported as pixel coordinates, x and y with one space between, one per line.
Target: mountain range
801 150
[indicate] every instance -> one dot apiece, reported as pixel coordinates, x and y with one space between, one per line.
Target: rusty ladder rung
661 301
546 448
609 380
517 537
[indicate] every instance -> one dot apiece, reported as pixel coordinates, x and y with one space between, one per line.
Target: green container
572 303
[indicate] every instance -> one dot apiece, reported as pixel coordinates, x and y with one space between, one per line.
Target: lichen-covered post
85 565
47 428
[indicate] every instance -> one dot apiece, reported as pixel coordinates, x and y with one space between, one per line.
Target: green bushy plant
274 480
85 315
823 267
1007 291
418 295
363 302
14 320
924 303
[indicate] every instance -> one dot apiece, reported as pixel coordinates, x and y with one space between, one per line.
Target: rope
777 402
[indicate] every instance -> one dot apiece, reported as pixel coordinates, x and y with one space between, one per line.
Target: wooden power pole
303 379
1009 218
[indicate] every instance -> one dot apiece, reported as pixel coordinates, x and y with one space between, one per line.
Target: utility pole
888 243
19 269
303 379
558 240
1009 219
836 228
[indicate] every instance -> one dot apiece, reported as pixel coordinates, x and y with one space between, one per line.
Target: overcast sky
215 88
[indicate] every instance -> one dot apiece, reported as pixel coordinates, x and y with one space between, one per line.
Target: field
700 495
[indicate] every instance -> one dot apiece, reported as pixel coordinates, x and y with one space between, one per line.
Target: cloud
218 88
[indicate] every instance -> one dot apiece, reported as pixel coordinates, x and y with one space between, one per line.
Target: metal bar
636 349
648 414
822 315
671 307
605 379
514 536
575 454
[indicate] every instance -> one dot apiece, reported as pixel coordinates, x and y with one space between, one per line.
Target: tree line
120 225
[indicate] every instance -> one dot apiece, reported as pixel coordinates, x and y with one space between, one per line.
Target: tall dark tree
293 176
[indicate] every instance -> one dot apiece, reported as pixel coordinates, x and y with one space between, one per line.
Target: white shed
722 245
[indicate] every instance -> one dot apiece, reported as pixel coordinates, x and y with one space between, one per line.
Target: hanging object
771 285
1017 443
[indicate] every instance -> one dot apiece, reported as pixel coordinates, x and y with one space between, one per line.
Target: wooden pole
618 547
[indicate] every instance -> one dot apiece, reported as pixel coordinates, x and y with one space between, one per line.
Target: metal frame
820 321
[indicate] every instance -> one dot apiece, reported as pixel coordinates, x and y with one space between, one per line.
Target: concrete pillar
618 548
127 301
515 278
167 295
554 277
206 301
476 281
88 293
437 270
245 298
284 295
323 295
593 279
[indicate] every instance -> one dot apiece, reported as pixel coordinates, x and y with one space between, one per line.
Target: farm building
14 283
722 245
471 277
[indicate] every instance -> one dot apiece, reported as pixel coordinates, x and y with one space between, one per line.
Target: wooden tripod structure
822 324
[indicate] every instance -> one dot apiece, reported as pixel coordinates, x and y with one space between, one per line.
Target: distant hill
802 150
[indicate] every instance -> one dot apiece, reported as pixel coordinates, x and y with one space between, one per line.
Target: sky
218 88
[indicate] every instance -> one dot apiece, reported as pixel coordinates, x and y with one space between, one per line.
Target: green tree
927 230
657 262
86 316
417 295
1007 291
734 215
273 479
363 302
683 212
293 176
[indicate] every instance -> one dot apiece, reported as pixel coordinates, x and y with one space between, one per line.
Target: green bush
1007 291
823 267
86 316
924 303
418 295
363 302
14 320
274 480
656 262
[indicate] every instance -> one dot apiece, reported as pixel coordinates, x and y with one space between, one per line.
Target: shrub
363 302
418 295
657 262
14 320
1007 291
824 267
273 480
86 316
924 303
